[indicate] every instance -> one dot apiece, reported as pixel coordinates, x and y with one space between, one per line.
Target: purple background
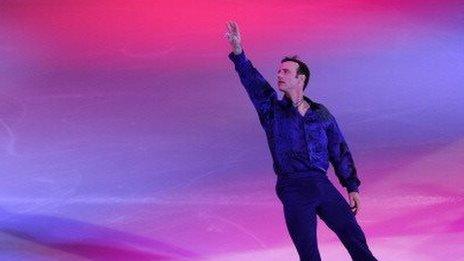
125 132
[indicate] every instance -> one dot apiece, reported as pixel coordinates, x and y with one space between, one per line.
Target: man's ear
301 77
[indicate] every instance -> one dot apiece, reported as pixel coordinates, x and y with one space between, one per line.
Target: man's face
286 76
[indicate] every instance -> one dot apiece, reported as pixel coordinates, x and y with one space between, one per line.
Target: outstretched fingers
232 28
235 28
229 26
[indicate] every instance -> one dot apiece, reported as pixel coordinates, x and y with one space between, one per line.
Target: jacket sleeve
262 95
340 157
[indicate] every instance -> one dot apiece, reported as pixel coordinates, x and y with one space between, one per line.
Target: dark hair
302 68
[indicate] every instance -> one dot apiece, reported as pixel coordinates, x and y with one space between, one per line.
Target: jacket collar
288 102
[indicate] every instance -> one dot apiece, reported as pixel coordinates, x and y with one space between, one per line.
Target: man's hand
233 36
354 201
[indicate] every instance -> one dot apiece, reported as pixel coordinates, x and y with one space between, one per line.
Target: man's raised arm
262 95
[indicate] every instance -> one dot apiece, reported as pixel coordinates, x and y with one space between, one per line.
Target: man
303 137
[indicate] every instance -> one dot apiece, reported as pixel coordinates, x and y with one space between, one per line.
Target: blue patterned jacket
298 144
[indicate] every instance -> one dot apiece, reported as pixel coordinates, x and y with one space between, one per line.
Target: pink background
125 132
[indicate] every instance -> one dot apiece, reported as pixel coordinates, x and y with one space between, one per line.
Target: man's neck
294 95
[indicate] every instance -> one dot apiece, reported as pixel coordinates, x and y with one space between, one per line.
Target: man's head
292 73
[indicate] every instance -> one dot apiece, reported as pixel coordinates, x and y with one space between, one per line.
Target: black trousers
305 197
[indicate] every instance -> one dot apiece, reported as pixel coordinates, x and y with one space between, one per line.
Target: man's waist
312 173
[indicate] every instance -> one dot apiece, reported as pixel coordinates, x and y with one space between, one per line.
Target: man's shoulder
322 111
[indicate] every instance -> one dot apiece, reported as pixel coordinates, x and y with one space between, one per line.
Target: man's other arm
341 159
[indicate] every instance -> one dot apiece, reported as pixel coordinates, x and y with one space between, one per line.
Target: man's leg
300 218
335 211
